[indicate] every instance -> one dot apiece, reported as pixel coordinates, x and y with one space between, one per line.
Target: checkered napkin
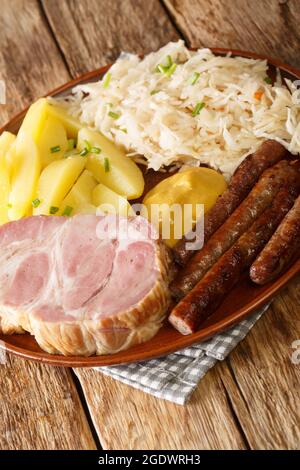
175 377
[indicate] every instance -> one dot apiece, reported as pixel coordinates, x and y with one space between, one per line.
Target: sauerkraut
175 106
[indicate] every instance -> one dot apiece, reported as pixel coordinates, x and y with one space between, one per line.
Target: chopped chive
36 202
53 210
153 92
95 150
160 68
114 115
106 165
106 80
198 108
55 149
169 60
123 129
194 78
67 210
87 145
9 205
84 152
71 144
268 80
171 70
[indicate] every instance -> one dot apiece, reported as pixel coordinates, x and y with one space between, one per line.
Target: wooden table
251 400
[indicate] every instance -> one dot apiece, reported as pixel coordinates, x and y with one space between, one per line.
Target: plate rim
182 341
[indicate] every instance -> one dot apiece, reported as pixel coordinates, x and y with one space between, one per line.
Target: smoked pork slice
83 285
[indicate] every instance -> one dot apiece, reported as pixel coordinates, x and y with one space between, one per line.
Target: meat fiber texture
83 285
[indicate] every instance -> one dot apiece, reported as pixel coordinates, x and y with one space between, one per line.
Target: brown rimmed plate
243 300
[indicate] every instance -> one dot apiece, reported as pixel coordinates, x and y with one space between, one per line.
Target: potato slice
55 182
70 123
107 201
43 108
25 171
7 140
53 142
112 167
86 208
80 194
4 188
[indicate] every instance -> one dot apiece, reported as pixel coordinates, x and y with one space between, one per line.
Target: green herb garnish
84 152
71 144
106 80
36 202
106 165
171 70
268 80
67 210
194 78
87 145
169 60
123 129
55 149
53 210
114 115
9 205
95 150
198 108
153 92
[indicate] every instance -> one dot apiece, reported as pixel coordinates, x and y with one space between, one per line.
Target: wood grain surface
269 27
40 406
251 400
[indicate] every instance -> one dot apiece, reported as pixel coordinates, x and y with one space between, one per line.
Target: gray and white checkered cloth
175 377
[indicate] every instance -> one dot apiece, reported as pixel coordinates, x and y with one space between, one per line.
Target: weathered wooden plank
30 63
270 27
92 33
261 369
148 423
40 407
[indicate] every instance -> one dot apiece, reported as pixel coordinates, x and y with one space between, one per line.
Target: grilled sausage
282 174
242 181
207 295
281 248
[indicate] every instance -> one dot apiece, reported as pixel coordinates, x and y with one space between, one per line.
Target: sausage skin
242 181
284 244
282 174
207 295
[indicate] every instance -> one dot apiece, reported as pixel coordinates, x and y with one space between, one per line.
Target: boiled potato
55 182
107 201
80 194
35 118
25 171
85 208
47 131
53 141
111 166
4 188
7 144
43 108
70 123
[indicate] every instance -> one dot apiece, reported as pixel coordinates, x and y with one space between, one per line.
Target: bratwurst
283 174
242 181
284 244
206 296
